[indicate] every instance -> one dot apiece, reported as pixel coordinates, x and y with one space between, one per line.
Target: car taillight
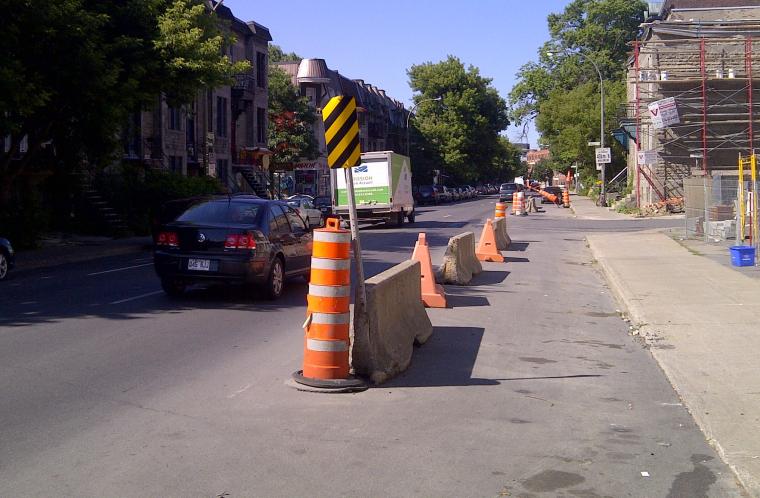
240 241
169 239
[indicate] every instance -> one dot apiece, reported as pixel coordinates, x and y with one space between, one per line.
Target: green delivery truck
382 186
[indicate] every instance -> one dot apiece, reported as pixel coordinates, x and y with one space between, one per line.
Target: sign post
344 151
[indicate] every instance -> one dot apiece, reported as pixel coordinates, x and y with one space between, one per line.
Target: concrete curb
24 265
638 318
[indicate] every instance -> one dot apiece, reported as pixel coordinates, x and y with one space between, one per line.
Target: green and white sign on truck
382 188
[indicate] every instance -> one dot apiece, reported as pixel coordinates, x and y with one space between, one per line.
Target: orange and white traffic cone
500 211
566 198
327 341
487 250
433 295
516 205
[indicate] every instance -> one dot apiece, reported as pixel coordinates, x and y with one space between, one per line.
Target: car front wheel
276 280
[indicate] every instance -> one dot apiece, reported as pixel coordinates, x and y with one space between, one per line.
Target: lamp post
411 111
602 194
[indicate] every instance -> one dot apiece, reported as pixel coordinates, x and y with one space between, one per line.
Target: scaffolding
707 67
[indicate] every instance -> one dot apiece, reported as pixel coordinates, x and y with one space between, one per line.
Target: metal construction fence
713 212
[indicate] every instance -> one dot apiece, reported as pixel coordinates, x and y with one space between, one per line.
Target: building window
175 118
261 121
175 164
311 94
261 70
221 117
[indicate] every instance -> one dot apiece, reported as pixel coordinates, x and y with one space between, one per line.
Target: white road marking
118 269
240 391
136 297
447 216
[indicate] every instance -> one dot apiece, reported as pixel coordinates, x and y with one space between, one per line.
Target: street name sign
664 113
603 155
342 132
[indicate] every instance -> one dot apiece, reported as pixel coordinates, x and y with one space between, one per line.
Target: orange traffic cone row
487 250
433 295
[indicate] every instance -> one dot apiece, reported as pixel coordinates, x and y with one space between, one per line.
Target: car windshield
220 212
508 186
296 203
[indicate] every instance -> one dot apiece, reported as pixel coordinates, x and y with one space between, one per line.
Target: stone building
223 132
382 119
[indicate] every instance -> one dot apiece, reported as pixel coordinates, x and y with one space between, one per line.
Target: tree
291 137
276 54
587 29
568 120
462 129
73 70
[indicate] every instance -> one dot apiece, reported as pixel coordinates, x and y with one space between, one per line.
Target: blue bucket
742 255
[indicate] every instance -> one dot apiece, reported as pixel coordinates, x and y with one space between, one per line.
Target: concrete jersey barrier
502 237
394 320
460 263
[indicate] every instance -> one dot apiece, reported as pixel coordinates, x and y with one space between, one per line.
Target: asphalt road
530 385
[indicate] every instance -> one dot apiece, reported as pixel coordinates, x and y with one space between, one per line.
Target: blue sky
378 41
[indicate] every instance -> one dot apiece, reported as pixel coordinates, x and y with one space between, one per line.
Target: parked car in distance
456 195
304 206
444 193
233 240
507 189
7 257
324 204
552 190
427 194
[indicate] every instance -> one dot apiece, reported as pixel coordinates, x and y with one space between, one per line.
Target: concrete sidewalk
74 249
702 323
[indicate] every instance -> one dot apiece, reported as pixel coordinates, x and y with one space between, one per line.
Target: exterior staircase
104 211
257 181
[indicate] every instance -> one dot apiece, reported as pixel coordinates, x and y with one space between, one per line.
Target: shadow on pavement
458 301
446 359
489 277
520 246
508 259
438 224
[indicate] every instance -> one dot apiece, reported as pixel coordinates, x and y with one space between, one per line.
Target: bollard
516 204
501 210
327 342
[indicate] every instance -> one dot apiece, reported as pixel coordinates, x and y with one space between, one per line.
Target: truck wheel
411 217
400 219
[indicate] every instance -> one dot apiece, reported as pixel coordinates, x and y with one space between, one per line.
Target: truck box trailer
382 187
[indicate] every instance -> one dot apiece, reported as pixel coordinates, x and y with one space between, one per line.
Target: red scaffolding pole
704 104
638 123
748 59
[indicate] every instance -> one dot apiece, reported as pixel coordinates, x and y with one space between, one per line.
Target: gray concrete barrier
459 262
502 237
394 320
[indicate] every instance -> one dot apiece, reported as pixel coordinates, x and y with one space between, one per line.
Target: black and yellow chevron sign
342 132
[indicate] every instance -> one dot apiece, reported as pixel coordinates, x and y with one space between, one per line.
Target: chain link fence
711 204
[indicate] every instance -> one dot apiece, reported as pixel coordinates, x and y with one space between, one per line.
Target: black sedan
233 240
7 257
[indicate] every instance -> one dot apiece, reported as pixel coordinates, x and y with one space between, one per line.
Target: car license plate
199 264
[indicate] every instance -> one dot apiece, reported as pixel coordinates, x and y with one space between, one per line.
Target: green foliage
586 30
138 194
460 131
290 121
190 43
276 54
73 70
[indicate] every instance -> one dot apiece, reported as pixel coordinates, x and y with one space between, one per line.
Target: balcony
243 82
